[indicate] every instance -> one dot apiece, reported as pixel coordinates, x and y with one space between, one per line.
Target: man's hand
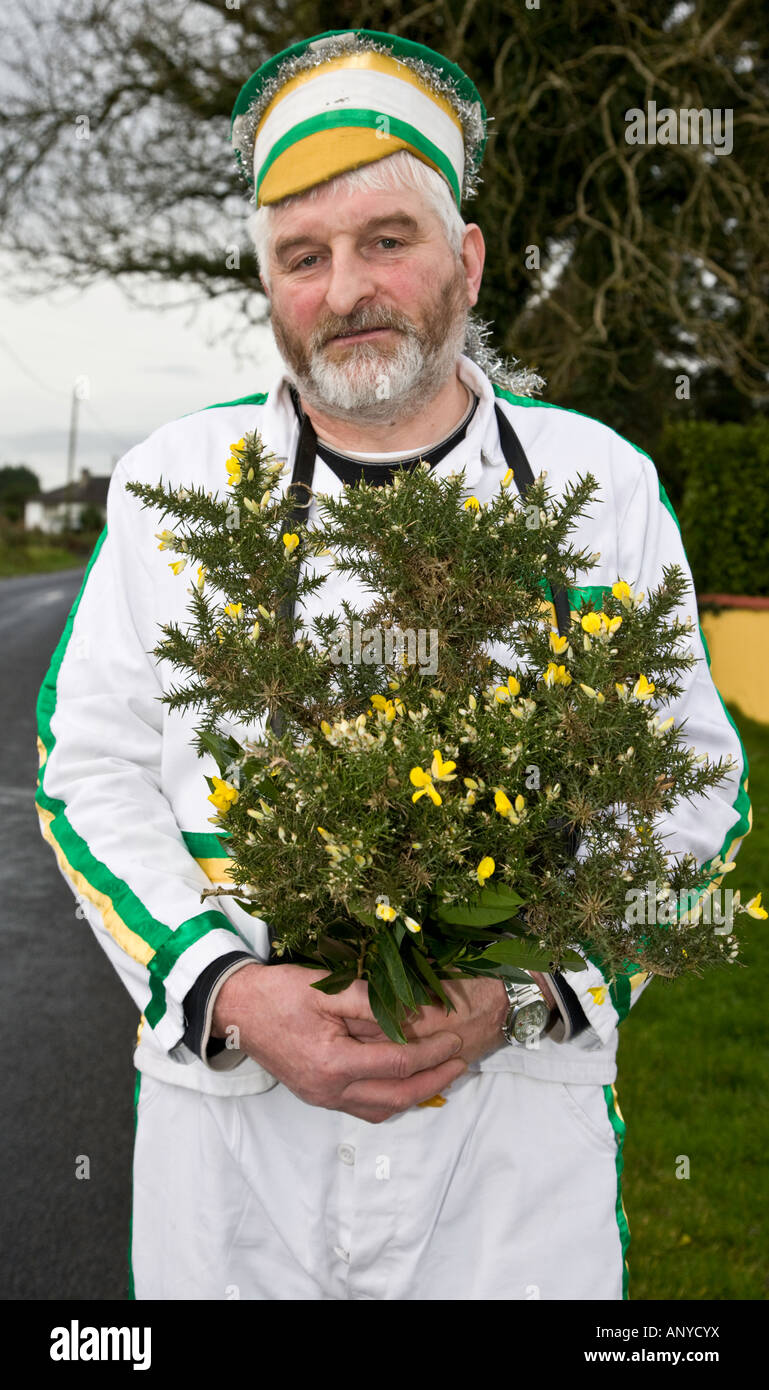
481 1008
301 1037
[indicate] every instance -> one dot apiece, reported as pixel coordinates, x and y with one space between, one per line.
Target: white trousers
511 1190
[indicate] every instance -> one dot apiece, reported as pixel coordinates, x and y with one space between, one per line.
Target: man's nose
351 282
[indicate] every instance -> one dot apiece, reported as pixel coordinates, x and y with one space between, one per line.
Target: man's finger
351 1002
373 1061
395 1097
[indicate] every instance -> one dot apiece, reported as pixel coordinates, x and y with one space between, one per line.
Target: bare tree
612 266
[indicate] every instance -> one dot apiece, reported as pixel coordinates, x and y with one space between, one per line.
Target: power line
21 364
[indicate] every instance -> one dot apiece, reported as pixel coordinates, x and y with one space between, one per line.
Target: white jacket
122 796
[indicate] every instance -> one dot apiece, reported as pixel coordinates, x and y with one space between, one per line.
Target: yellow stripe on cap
321 156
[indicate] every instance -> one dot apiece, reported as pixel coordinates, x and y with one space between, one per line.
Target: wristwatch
529 1015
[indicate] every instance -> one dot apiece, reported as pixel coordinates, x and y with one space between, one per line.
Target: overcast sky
144 367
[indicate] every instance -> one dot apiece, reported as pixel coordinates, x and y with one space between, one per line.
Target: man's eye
393 240
303 264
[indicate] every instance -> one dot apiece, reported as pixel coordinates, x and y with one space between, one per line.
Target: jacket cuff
571 1021
199 1005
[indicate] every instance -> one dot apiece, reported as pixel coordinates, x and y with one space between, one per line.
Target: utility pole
72 448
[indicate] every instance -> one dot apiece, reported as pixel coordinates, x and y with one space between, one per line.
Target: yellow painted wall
738 640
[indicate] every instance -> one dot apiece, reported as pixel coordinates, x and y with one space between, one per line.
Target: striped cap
349 97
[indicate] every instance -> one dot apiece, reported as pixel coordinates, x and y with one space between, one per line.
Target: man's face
369 303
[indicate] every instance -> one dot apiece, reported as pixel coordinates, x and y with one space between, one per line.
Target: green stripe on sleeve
619 1127
168 944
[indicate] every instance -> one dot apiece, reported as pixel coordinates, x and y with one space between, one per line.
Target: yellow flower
621 589
592 622
643 689
254 632
485 868
411 924
472 505
177 566
424 781
233 610
611 624
441 771
167 540
513 686
290 541
224 795
557 675
558 644
265 498
508 478
501 694
241 444
386 913
234 474
505 806
593 694
201 579
755 909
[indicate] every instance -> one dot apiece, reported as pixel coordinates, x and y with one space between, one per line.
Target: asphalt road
68 1024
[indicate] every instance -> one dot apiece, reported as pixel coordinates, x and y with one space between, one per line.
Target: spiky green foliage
404 824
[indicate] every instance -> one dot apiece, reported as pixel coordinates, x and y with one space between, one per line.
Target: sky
142 367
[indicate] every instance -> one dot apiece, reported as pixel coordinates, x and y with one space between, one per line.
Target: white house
59 510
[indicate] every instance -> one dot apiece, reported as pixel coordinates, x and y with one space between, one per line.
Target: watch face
531 1021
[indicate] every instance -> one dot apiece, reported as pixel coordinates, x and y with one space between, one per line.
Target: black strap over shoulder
523 476
300 486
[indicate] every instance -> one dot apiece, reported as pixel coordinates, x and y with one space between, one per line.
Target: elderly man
285 1149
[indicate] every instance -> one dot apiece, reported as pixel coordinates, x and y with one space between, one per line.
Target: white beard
367 382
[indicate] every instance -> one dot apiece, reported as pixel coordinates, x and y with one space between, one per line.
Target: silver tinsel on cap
468 112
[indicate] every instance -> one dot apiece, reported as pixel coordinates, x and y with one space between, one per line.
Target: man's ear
473 257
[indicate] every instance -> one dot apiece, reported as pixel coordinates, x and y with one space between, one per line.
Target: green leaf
384 1005
489 907
499 895
334 984
421 994
367 918
571 960
526 955
506 972
432 979
394 966
223 750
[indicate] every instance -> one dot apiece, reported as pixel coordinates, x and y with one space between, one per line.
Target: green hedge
717 476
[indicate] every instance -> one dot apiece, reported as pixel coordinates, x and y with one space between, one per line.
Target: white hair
394 171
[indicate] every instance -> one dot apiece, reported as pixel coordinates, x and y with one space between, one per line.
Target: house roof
88 490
